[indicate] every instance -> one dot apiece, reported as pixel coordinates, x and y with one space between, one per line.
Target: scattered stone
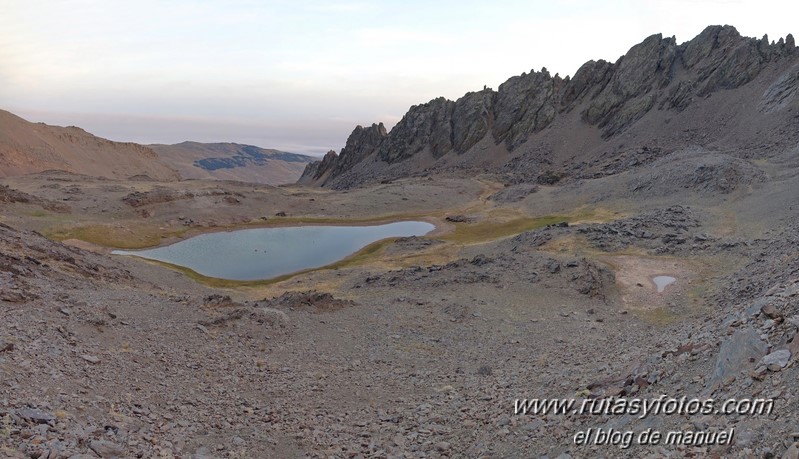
36 416
270 316
777 360
459 219
484 370
792 452
106 449
90 358
443 446
738 353
770 311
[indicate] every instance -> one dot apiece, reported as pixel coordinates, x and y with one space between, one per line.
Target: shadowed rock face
424 126
631 91
524 105
360 143
656 74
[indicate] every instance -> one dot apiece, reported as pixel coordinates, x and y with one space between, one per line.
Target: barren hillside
232 161
27 147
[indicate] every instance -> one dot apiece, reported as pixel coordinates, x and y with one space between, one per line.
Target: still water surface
264 253
661 282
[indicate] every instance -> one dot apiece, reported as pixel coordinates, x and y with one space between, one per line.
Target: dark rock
738 353
36 416
319 172
589 79
514 193
424 127
655 74
770 311
550 178
484 370
361 143
106 449
480 260
629 93
472 119
217 300
524 105
459 219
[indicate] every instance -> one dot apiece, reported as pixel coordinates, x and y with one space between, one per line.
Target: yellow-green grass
659 316
488 230
136 237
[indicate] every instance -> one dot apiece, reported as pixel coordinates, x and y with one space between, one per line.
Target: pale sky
299 75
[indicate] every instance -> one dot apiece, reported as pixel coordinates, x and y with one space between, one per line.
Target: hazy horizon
299 78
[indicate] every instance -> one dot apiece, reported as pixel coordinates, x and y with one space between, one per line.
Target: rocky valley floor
418 348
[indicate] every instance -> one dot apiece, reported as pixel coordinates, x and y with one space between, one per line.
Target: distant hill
718 92
232 161
27 147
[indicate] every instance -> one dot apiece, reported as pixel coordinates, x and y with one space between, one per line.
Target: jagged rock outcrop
426 126
319 170
630 93
472 119
654 75
525 104
360 144
590 77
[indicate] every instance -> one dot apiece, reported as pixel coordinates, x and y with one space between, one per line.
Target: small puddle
661 282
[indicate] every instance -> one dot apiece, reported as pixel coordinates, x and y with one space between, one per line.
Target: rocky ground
419 350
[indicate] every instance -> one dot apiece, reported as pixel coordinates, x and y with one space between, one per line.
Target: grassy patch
114 236
488 230
658 316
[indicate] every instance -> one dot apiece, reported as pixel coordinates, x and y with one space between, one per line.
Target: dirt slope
27 147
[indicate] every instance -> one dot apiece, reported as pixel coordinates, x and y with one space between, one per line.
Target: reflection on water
265 253
662 281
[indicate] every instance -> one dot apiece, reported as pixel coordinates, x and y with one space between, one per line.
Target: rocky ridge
655 75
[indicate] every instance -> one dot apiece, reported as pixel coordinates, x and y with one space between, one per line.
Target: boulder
738 353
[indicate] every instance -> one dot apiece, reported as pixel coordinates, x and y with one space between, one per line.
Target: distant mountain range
27 148
719 91
232 161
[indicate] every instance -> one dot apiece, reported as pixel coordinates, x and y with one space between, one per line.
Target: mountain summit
537 126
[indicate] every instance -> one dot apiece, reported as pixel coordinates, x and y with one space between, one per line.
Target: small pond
264 253
661 282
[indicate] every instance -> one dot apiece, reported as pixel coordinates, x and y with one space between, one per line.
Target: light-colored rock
777 360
